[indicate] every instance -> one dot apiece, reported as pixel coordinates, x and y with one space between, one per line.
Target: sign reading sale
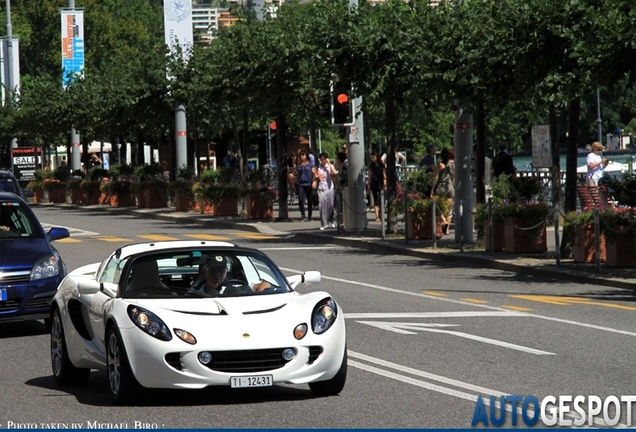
25 162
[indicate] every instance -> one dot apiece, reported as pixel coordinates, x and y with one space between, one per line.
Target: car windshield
14 221
202 273
7 185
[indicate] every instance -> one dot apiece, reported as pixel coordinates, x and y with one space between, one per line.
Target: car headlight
46 267
324 315
149 323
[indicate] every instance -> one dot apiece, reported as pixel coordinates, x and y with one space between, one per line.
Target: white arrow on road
403 328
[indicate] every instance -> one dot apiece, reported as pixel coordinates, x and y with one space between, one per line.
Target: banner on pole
177 19
72 44
541 148
12 44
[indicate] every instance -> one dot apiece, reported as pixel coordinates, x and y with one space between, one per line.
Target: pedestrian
63 170
400 163
324 172
595 164
428 161
487 166
310 155
503 163
95 160
377 182
444 186
304 180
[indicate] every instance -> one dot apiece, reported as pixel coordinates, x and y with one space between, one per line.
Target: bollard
406 216
459 226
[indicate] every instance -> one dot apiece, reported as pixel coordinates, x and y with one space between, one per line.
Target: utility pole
74 139
463 143
599 122
10 82
354 209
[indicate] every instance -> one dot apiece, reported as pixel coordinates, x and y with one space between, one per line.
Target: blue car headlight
149 323
46 267
324 315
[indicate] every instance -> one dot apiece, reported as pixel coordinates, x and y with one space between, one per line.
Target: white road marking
75 232
459 314
483 391
402 327
465 303
301 248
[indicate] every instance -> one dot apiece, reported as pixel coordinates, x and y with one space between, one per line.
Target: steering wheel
226 285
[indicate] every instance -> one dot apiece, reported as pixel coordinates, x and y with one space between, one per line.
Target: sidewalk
446 249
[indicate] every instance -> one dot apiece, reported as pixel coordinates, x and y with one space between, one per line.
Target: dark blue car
30 268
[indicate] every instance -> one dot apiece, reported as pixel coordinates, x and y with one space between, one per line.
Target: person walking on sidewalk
377 182
324 172
445 184
304 177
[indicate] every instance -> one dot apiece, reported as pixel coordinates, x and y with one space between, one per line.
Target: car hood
17 254
220 306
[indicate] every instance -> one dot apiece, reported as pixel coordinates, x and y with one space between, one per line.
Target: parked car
30 267
8 183
142 316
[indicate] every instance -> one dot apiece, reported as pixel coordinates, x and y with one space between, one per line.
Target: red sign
463 125
181 133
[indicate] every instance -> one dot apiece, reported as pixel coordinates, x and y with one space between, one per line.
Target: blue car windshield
15 221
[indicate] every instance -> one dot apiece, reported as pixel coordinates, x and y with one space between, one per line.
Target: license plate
3 294
251 381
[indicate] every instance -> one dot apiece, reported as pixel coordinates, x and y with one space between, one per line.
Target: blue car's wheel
334 385
122 383
63 370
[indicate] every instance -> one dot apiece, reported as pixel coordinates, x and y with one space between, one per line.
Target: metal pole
382 214
597 240
598 116
74 137
181 139
269 144
460 227
463 144
11 80
491 234
434 222
406 216
556 234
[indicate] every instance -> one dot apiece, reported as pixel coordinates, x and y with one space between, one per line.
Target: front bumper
28 301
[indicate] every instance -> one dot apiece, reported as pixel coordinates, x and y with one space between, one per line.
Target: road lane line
484 391
456 314
460 302
157 237
209 237
517 308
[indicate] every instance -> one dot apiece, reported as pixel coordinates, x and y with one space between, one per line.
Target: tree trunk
480 161
569 203
391 179
281 153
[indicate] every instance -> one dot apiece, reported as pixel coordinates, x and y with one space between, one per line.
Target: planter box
518 240
154 199
91 198
499 237
140 200
584 245
417 231
77 196
228 206
259 207
38 196
622 252
104 198
57 194
184 203
126 200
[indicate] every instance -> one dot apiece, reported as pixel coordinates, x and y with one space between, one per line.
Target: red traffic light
342 98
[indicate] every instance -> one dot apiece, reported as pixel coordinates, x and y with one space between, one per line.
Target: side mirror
57 233
88 287
311 277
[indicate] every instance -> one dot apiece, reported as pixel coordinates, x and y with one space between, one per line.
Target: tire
121 382
63 370
333 386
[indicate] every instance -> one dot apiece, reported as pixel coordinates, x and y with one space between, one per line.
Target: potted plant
37 186
525 226
183 194
118 186
584 243
150 187
55 186
258 198
420 221
618 227
216 194
482 223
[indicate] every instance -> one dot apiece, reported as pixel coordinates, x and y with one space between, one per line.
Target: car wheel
333 386
63 370
121 381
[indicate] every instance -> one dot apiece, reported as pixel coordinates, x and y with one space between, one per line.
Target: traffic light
324 102
341 105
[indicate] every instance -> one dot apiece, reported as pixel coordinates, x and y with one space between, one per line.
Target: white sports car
144 317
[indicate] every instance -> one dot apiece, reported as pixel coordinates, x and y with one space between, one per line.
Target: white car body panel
254 322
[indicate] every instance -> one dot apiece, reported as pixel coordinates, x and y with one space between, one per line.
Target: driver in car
215 273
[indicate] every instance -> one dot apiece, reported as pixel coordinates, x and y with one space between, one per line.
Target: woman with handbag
445 184
324 173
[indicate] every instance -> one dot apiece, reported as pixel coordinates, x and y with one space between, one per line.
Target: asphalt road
424 339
